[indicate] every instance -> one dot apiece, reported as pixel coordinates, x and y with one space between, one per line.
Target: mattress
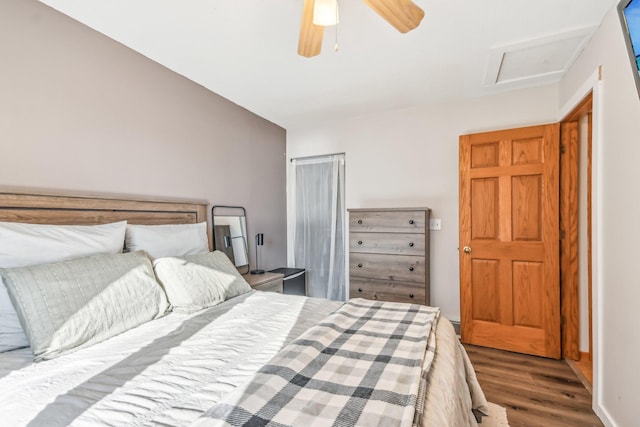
170 370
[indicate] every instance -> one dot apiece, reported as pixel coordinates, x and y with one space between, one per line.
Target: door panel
527 298
484 205
509 272
527 151
526 207
485 271
484 155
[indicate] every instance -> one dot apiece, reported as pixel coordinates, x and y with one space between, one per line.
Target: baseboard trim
604 416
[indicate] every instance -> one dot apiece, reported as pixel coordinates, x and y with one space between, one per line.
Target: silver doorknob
467 249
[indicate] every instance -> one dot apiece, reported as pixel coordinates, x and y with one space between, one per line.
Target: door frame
569 226
569 166
593 84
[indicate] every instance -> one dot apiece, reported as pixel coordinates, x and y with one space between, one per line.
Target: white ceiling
245 50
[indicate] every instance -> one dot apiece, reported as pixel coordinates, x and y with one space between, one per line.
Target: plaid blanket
366 364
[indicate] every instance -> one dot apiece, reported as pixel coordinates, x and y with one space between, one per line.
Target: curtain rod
317 156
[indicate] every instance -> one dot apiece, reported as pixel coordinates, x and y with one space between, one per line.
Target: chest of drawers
389 254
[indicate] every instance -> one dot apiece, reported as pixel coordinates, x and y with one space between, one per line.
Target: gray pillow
24 245
74 304
198 281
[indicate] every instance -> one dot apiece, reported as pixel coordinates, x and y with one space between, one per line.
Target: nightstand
267 282
294 281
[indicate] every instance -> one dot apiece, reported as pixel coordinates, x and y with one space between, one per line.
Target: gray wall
79 111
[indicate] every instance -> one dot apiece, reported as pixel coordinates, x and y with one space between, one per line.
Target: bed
176 369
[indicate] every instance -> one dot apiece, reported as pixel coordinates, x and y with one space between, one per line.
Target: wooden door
509 240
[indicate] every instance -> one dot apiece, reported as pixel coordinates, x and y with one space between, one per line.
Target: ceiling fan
404 15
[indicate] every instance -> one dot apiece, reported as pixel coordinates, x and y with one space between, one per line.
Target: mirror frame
246 243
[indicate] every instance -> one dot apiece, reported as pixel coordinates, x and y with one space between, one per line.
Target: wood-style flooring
536 391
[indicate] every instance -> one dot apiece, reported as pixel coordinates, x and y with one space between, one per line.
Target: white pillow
198 281
23 245
168 240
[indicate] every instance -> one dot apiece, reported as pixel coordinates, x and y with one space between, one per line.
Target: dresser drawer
387 291
403 268
387 243
273 286
388 222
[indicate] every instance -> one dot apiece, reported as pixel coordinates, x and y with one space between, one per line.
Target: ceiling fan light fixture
325 13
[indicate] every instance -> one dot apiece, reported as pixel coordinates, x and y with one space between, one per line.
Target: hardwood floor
536 391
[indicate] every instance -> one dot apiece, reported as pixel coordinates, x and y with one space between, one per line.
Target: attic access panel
536 61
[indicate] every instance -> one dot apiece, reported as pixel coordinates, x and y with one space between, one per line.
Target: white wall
617 209
410 158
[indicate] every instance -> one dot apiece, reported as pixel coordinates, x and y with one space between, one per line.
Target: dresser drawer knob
359 242
411 268
359 265
410 295
411 244
359 289
411 221
359 221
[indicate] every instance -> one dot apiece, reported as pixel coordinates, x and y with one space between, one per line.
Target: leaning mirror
230 234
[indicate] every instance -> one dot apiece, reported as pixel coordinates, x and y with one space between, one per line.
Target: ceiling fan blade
310 40
404 15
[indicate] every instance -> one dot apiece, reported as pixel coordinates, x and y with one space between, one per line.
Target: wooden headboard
89 210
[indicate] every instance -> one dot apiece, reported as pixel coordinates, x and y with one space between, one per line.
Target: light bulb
325 13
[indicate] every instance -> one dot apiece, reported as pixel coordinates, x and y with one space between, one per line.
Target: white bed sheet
165 372
170 370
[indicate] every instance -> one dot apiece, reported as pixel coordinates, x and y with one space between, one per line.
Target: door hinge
563 320
562 234
563 148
